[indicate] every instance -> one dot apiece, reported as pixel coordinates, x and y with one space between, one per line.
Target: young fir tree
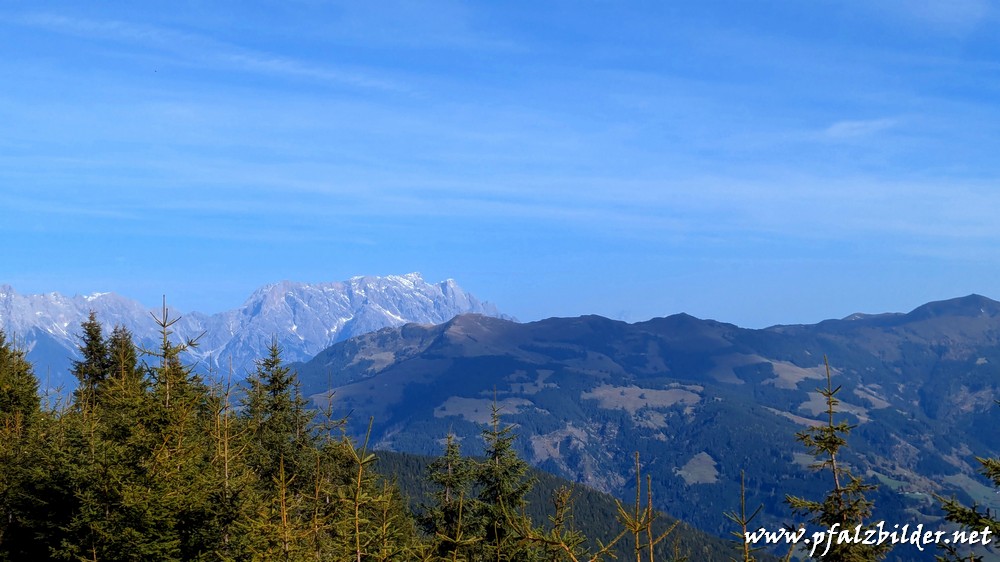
123 359
278 421
278 451
173 382
86 453
449 520
971 518
503 484
93 367
108 446
125 400
178 468
23 475
90 457
19 402
233 500
845 506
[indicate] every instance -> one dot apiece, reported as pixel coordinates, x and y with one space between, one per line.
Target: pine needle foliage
22 499
277 420
845 506
502 480
447 520
743 521
972 518
93 367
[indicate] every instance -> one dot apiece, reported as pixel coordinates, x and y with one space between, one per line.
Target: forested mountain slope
699 399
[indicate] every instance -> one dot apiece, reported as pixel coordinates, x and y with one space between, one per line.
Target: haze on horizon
756 164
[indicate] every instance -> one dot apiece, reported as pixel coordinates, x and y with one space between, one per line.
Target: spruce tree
232 500
134 464
178 468
503 484
22 477
88 458
91 370
449 519
123 360
278 420
971 518
845 506
19 402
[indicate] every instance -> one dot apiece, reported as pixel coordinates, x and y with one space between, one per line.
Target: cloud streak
843 130
959 17
194 49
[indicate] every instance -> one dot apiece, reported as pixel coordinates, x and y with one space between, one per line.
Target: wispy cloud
957 15
947 16
854 129
417 25
194 49
55 209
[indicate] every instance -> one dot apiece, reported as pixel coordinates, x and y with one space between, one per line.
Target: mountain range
305 317
700 400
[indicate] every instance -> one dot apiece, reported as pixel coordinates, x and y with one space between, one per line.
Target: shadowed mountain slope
699 399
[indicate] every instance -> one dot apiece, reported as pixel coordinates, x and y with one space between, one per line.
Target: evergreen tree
126 403
87 461
122 357
970 517
147 464
172 381
278 453
503 484
449 519
92 369
393 530
278 420
178 472
233 500
124 452
845 506
19 402
22 475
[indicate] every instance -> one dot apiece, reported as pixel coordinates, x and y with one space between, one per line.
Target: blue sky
753 162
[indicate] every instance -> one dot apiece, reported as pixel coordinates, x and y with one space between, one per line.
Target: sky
752 162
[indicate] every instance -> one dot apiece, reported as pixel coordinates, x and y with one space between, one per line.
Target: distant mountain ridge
701 400
305 317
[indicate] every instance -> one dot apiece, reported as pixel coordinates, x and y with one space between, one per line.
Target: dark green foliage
152 464
19 402
22 499
503 482
449 519
93 368
845 506
593 514
973 518
277 420
123 361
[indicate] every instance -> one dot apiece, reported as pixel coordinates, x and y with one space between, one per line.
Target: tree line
148 461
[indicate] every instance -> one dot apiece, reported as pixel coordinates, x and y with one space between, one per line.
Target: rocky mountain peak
305 317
